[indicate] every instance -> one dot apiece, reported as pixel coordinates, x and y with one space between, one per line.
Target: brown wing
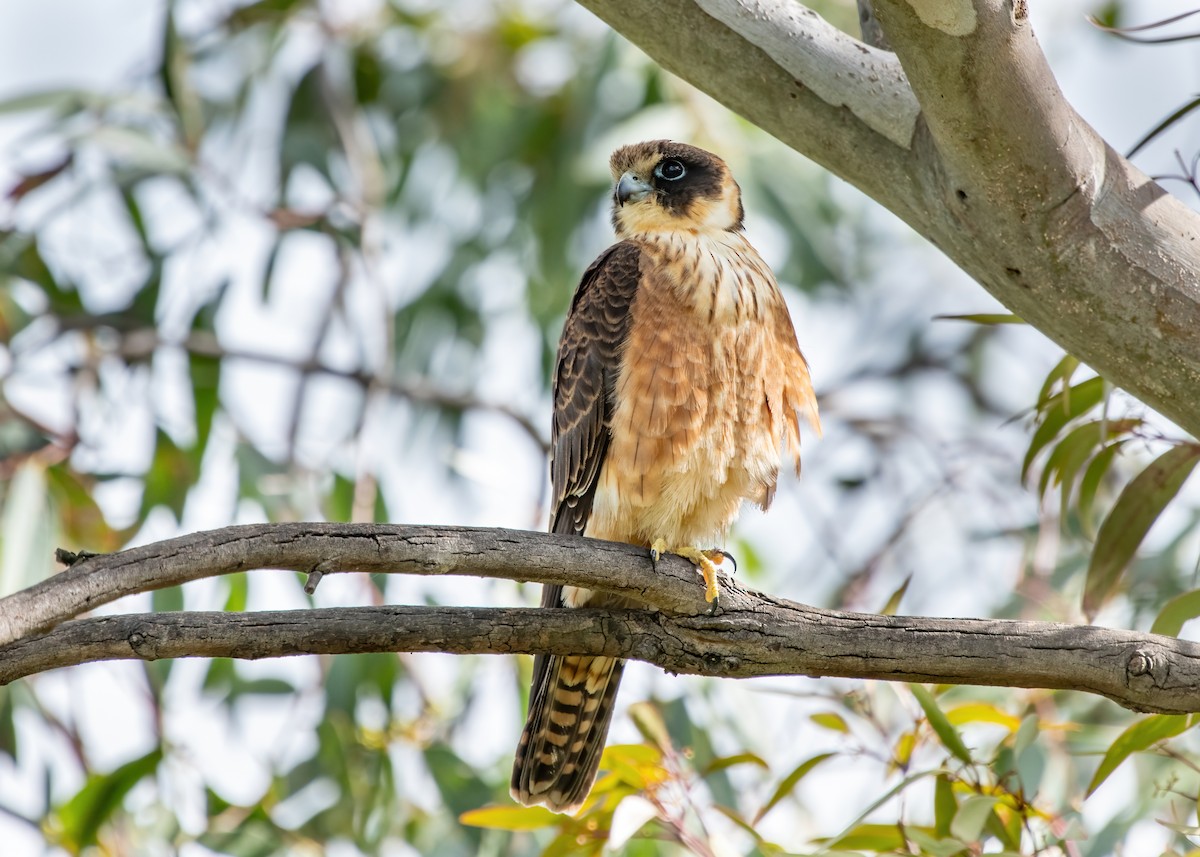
571 700
589 357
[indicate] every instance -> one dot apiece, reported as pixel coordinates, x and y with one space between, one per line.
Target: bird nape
678 390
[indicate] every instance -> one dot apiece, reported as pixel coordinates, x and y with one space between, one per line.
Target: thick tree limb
332 548
754 635
997 170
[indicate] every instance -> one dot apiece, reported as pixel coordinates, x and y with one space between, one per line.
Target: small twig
314 578
72 558
139 343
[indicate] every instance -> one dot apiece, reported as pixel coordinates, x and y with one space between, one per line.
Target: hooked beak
631 189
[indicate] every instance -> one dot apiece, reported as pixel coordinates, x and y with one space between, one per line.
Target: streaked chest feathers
707 396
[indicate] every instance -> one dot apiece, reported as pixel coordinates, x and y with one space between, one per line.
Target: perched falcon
678 390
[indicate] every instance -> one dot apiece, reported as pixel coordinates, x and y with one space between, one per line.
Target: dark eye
671 170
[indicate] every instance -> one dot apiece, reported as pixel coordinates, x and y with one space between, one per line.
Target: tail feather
570 708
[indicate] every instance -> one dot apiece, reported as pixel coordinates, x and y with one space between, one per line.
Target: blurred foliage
312 261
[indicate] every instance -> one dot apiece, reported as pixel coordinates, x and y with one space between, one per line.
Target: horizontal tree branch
965 135
753 635
776 638
370 548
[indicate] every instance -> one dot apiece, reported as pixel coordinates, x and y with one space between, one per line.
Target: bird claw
706 562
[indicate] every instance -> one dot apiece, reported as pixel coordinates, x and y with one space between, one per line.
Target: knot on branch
722 664
1145 670
144 645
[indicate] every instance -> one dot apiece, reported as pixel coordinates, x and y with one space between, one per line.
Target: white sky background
1122 90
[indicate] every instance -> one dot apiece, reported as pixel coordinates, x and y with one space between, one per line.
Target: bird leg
704 560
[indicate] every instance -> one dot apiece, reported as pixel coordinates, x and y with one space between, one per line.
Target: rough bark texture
996 168
754 635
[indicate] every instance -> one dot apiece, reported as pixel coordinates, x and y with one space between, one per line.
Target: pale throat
702 215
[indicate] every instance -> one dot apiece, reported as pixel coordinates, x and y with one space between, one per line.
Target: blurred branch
965 135
139 343
754 634
333 304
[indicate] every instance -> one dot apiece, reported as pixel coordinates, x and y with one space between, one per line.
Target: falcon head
666 186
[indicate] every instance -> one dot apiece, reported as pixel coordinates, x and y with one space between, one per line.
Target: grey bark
965 135
753 635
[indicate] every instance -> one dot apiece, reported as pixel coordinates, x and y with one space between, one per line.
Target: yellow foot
705 560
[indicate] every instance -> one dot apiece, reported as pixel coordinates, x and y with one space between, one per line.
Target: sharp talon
731 558
713 606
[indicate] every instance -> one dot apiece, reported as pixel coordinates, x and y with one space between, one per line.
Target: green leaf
85 813
1009 834
339 500
79 516
635 765
988 318
137 220
831 721
1138 737
935 846
790 782
648 719
206 377
1075 449
219 677
61 101
1062 372
309 135
8 731
1185 829
893 602
971 817
949 736
1091 483
20 256
168 600
1176 612
1026 734
874 837
725 762
253 836
264 11
172 471
1068 456
840 840
734 816
510 817
945 805
1059 410
265 686
139 150
458 783
1136 509
239 592
982 712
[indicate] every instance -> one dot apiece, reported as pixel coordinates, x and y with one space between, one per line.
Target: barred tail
570 707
